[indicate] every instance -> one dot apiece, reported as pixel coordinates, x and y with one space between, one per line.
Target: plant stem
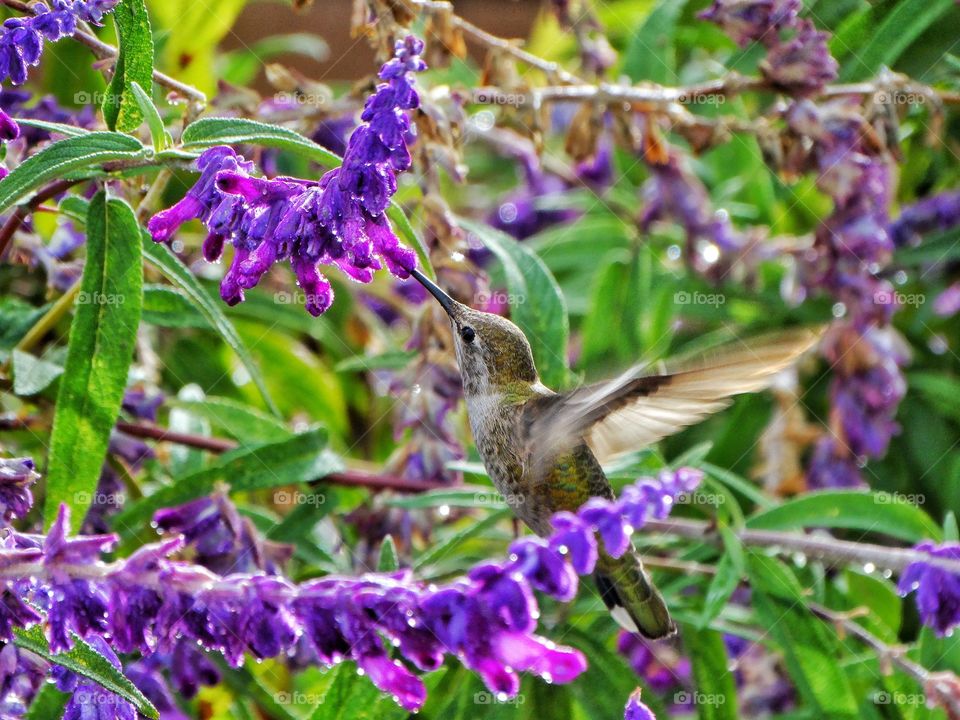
829 550
19 215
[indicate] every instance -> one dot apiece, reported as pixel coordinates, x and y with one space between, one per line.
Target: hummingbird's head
492 352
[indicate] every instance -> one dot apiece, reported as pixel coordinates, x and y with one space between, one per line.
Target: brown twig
104 50
19 215
354 478
828 550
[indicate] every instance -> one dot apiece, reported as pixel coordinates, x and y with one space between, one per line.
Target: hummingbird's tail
634 601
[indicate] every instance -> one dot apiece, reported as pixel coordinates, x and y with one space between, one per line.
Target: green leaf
99 353
900 27
721 588
716 696
168 307
88 663
32 374
615 295
298 459
850 509
238 420
537 306
65 156
121 108
345 695
389 560
48 703
176 272
212 131
53 127
158 133
808 646
651 54
475 496
389 360
437 552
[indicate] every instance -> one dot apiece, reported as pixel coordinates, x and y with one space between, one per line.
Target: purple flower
21 676
657 662
636 710
220 539
749 20
21 39
938 590
948 302
150 603
801 65
338 220
88 700
938 213
9 130
16 477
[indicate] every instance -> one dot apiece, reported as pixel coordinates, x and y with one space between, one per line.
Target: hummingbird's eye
467 334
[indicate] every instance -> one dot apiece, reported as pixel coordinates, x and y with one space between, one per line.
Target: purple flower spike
338 220
938 590
948 302
16 477
636 710
21 39
937 213
608 520
574 538
803 63
749 20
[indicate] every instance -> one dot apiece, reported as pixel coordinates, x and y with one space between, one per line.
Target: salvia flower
748 20
636 710
338 220
151 603
938 213
938 589
802 64
21 40
16 477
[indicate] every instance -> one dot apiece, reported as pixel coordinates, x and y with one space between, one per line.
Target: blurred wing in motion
633 411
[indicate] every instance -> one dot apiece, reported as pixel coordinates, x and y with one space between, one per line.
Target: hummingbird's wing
634 410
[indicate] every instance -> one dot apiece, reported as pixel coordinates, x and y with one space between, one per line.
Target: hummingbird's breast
533 494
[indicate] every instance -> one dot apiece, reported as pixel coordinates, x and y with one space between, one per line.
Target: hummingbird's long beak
446 302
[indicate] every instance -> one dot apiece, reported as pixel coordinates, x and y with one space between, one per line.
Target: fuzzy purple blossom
938 590
636 710
16 477
947 303
748 20
339 220
657 662
22 38
150 603
938 213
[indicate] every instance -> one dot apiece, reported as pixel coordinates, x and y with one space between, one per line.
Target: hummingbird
544 450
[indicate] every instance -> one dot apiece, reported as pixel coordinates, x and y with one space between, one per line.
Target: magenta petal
165 223
394 678
555 663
